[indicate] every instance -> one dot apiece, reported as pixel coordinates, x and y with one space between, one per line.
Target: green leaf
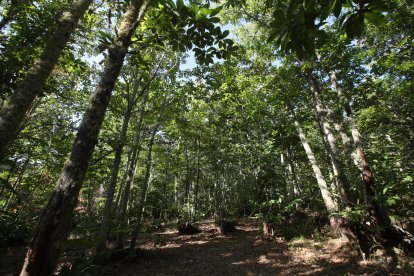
204 11
407 179
180 4
214 19
387 187
279 17
308 4
375 18
215 11
171 3
402 42
392 200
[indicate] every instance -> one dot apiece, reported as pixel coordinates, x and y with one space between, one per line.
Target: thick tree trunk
19 102
55 222
145 183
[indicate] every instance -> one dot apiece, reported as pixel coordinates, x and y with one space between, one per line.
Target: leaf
308 4
214 19
354 26
215 11
171 3
336 8
272 36
375 18
180 4
279 17
386 188
403 42
226 33
407 179
205 11
392 200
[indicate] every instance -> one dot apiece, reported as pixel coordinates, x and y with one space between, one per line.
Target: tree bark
145 183
55 222
136 148
107 211
197 183
337 166
378 215
330 204
19 102
122 184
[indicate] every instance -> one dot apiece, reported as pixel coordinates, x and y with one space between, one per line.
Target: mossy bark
19 102
55 222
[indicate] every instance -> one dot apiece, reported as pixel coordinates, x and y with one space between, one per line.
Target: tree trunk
55 222
136 148
107 212
337 166
330 204
145 183
378 215
19 102
197 184
122 184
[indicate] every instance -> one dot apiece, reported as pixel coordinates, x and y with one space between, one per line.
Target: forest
206 137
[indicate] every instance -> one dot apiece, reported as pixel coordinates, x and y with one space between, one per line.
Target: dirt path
245 253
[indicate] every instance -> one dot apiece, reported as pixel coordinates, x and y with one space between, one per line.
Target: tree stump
226 227
187 228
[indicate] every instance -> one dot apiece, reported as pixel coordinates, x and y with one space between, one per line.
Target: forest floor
245 252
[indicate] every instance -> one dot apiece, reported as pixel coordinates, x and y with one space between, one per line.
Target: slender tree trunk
122 184
330 204
337 166
107 212
361 160
164 195
377 214
16 184
136 148
110 191
292 172
19 102
197 184
55 222
145 183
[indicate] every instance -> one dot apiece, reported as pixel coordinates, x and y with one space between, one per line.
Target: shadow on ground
243 253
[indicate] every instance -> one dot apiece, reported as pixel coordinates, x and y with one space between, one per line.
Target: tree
19 102
54 224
